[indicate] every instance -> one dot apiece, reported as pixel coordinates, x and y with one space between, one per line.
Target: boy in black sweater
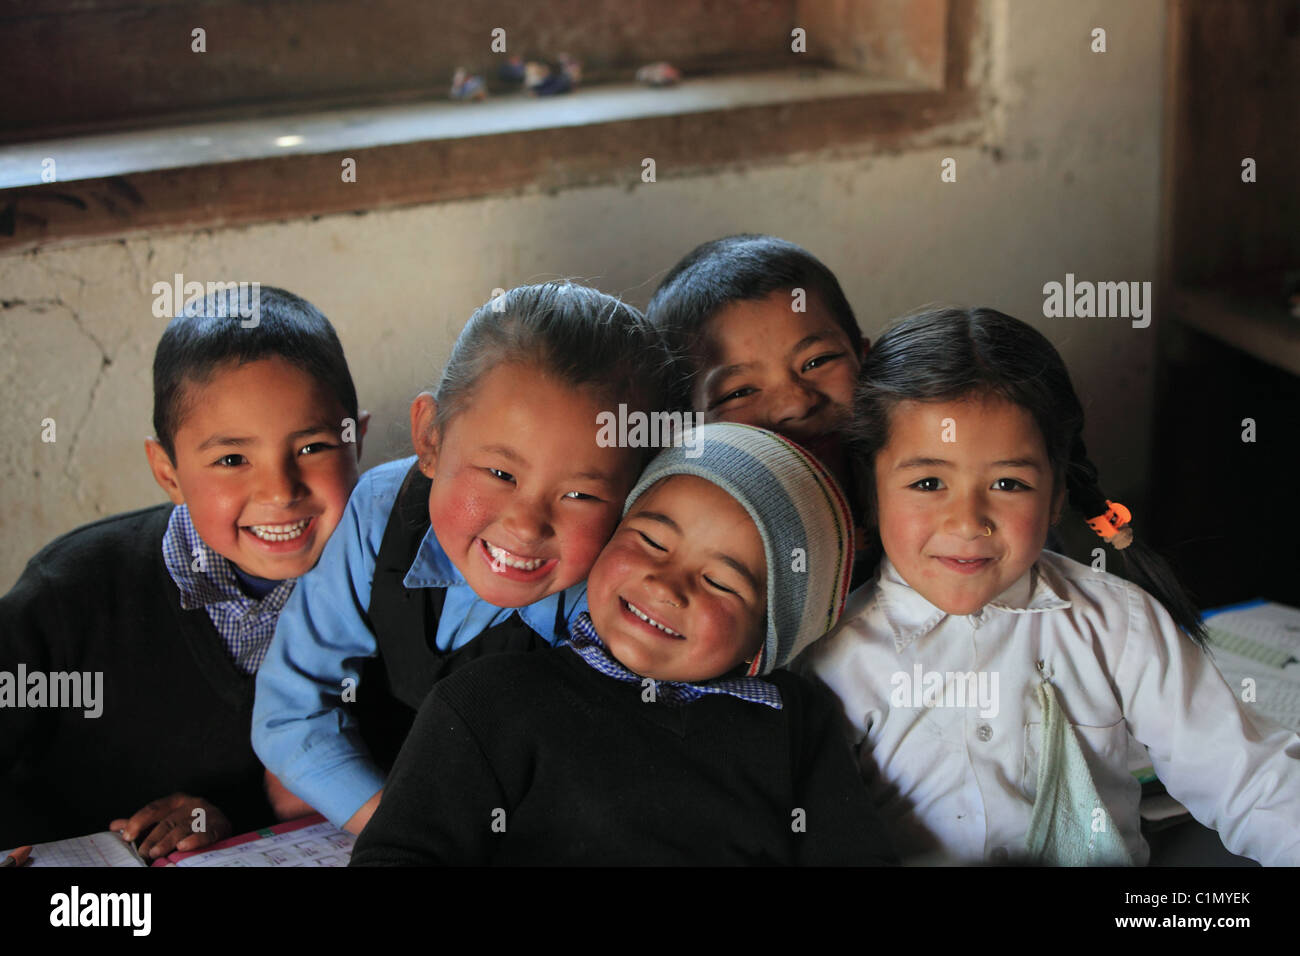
128 647
652 738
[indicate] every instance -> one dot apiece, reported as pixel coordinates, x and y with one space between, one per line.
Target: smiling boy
764 336
663 734
257 443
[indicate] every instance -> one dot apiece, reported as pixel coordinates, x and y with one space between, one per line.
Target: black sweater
540 759
176 711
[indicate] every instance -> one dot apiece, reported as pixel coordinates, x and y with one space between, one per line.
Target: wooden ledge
228 173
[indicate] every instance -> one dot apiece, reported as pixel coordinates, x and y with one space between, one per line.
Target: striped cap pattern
802 517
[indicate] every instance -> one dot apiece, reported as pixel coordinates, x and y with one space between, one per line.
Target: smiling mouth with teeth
279 532
649 620
501 558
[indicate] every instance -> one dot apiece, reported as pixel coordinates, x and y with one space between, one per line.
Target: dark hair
216 331
578 335
947 354
732 269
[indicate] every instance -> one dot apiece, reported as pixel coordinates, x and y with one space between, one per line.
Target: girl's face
951 473
681 590
523 498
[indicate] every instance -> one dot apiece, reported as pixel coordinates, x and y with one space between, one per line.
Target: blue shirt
206 579
301 729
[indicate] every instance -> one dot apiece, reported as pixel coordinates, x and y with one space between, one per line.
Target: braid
1081 480
1143 566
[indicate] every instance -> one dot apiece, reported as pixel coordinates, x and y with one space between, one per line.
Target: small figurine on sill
512 71
465 86
541 79
659 74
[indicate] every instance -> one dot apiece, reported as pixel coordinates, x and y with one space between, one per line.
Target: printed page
1258 651
97 849
321 844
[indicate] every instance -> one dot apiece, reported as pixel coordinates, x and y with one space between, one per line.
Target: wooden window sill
226 172
338 131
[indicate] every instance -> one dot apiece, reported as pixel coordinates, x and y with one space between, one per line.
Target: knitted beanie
801 515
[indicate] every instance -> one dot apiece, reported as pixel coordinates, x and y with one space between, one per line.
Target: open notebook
97 849
309 841
1257 647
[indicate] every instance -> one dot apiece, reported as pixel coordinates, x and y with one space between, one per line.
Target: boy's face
680 591
523 497
261 465
937 499
764 364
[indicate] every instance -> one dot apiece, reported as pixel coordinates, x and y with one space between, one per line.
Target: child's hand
172 824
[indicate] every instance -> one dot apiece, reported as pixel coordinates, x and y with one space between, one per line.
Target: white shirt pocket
1105 747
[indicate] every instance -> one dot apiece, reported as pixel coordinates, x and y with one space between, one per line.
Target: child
163 615
479 544
763 335
652 738
993 686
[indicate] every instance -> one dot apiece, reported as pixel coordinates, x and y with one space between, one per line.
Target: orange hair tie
1113 525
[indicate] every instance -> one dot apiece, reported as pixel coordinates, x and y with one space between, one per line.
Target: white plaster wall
1065 179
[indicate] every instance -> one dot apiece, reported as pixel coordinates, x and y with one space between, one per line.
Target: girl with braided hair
993 687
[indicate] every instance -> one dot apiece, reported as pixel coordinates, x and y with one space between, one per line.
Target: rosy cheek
612 570
718 625
460 510
476 511
583 540
624 560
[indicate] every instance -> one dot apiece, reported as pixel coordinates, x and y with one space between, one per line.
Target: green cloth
1070 826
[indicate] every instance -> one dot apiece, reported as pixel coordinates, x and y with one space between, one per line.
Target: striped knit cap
801 515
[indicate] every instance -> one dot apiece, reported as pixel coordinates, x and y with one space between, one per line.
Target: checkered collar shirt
587 643
206 580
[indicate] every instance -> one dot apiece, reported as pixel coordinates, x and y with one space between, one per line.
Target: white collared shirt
952 763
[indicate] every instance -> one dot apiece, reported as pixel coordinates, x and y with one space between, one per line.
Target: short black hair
731 269
215 331
580 336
